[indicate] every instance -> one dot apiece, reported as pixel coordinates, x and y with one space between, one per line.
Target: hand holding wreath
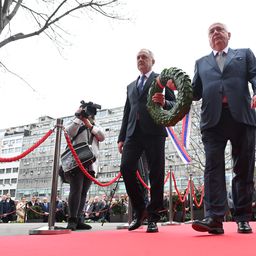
172 77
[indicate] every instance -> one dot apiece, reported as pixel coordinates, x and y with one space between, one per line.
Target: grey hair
148 51
220 23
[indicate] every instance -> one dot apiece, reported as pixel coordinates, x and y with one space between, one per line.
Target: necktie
141 84
220 59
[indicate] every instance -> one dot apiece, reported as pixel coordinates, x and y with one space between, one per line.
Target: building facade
32 175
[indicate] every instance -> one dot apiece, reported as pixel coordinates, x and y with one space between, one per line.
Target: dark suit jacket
209 83
7 207
45 208
136 106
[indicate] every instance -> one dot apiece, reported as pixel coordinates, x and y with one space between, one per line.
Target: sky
100 59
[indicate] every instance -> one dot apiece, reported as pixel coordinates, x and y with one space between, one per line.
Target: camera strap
81 129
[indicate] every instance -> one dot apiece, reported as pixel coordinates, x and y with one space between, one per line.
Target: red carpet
178 240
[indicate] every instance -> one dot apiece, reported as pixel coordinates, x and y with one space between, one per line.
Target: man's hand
253 102
159 98
170 84
120 146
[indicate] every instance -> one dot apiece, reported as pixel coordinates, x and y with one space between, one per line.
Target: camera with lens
88 109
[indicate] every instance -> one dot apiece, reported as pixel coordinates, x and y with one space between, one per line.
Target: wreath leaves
183 100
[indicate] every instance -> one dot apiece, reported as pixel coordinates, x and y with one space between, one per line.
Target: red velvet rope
39 213
198 205
167 177
182 199
6 214
86 173
29 150
143 182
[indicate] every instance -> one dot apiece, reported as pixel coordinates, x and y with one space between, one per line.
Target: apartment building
11 146
32 175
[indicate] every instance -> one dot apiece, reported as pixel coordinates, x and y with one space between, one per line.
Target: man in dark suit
227 114
138 134
45 205
7 208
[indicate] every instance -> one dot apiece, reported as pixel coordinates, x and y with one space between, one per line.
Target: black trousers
242 139
79 186
154 148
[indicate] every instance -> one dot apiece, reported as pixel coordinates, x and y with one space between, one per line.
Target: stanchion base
188 222
126 226
169 223
123 226
49 231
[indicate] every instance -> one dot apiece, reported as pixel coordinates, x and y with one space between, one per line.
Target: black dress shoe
137 222
244 227
209 225
152 227
83 226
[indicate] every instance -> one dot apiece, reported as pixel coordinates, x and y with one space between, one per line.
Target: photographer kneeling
82 129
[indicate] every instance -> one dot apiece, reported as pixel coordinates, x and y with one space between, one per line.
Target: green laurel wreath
183 99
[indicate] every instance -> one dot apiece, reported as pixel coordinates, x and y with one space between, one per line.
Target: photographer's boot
72 223
82 226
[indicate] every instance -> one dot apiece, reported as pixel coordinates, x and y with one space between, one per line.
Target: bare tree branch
11 72
47 20
50 21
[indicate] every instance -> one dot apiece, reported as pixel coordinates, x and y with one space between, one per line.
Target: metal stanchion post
51 229
170 222
190 200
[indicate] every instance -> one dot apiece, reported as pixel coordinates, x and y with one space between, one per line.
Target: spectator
20 209
7 209
45 205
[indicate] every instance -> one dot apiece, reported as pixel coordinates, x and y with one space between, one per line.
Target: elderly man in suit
139 133
227 114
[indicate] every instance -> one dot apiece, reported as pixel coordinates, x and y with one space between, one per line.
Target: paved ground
13 229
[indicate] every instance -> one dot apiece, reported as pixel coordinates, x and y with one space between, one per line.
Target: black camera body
89 109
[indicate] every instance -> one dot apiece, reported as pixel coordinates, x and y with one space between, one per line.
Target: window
7 181
5 191
13 181
12 192
15 169
1 182
11 150
4 151
1 171
18 140
5 142
8 170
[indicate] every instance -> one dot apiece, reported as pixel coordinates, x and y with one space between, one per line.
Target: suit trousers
154 148
242 139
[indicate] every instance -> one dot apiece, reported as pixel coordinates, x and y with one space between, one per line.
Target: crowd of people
96 208
100 209
27 210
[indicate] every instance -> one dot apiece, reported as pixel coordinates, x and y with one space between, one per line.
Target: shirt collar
224 50
147 74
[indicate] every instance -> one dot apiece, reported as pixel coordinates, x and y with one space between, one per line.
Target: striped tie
141 84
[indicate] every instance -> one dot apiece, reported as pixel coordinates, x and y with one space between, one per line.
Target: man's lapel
148 83
212 61
231 54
